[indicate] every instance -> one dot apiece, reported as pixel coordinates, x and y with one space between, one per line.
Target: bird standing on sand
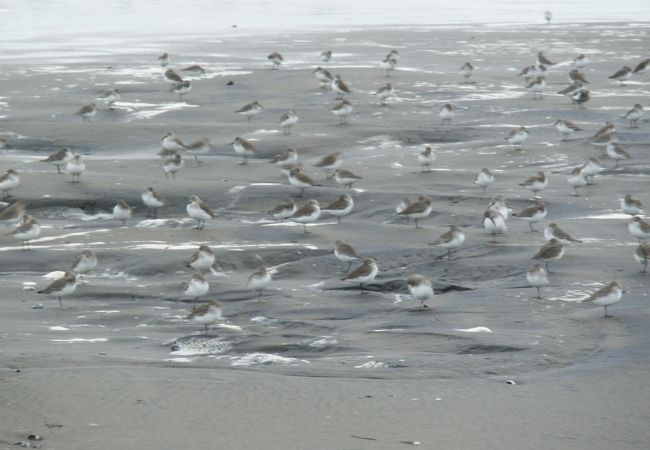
551 251
642 255
59 158
345 177
61 287
417 210
196 287
622 75
259 279
198 210
537 277
363 274
75 167
287 120
122 211
340 207
345 253
606 296
517 137
420 288
153 200
206 314
308 213
276 59
484 179
87 112
244 148
284 210
300 180
451 240
28 230
533 214
634 115
173 165
250 110
553 230
202 259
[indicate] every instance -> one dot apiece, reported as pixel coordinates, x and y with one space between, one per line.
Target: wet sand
317 363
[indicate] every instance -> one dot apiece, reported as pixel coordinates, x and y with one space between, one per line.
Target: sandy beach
316 363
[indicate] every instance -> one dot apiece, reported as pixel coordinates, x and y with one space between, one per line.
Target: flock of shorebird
494 219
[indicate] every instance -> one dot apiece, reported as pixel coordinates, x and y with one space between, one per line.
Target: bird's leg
539 294
174 175
339 220
60 302
530 224
197 159
349 265
546 264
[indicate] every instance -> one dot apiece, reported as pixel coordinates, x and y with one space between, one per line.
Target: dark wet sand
337 365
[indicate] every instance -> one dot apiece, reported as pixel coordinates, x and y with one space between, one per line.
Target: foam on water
256 359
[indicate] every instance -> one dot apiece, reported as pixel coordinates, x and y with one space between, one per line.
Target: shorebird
345 253
580 97
591 168
330 163
642 255
531 72
196 287
606 296
284 210
259 279
84 263
61 287
631 206
326 55
642 67
250 110
622 75
194 70
345 177
300 180
633 115
542 60
87 112
285 158
577 77
363 274
577 179
171 143
617 153
447 113
182 88
606 131
75 167
484 179
566 127
466 70
420 288
388 64
202 259
533 214
206 314
59 158
172 77
517 137
198 210
394 54
551 251
340 207
28 230
163 60
426 157
308 213
494 222
383 93
639 228
548 16
570 90
537 86
12 214
8 181
287 120
244 148
122 211
537 277
553 230
153 200
110 97
339 87
173 165
342 109
418 209
200 147
324 76
536 183
501 205
450 240
276 59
